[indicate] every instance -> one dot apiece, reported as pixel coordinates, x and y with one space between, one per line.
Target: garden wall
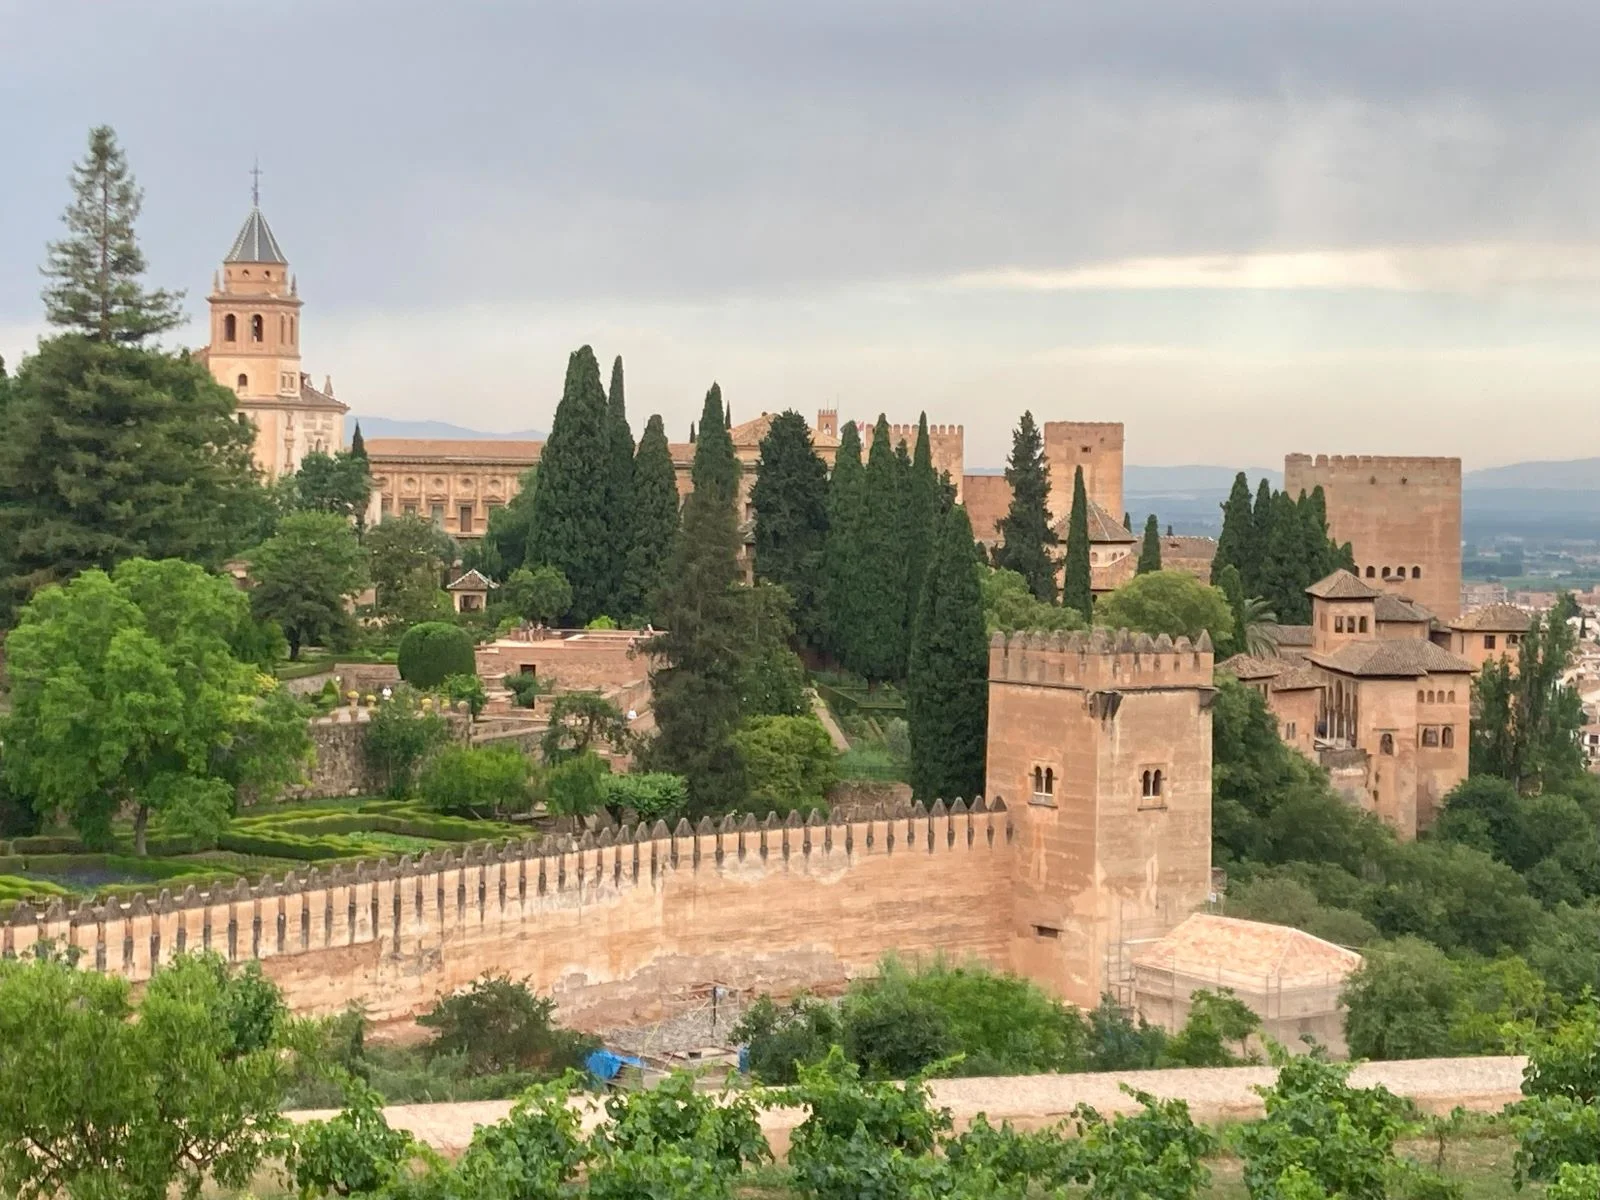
340 744
617 928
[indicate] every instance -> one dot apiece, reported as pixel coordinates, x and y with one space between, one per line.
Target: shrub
782 1040
433 651
602 622
1215 1019
462 779
524 688
722 1132
1154 1154
499 1024
1552 1130
653 795
573 788
789 762
469 688
400 735
580 721
355 1153
1566 1061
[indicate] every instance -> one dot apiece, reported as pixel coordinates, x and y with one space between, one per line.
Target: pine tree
1236 544
790 496
1261 528
358 444
924 509
880 652
1025 533
697 681
841 552
571 527
619 489
1150 549
655 521
1076 590
95 286
947 692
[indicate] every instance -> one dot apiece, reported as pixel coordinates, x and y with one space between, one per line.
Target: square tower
1096 446
1100 746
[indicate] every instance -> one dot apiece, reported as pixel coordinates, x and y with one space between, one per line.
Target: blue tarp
604 1065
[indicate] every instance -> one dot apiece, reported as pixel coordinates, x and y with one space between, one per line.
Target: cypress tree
841 554
619 488
572 521
1025 533
1261 528
880 652
94 272
947 692
655 521
1232 587
1076 592
698 675
1127 520
923 509
790 495
1284 569
358 444
1236 542
1150 549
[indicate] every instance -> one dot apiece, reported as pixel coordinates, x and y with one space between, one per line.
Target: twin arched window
1044 781
1150 784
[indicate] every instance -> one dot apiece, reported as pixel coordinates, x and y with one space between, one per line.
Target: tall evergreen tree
842 553
1025 533
697 681
790 496
947 692
1284 570
922 512
1236 544
1232 588
571 526
1150 548
1127 520
358 444
95 286
619 488
880 651
1261 525
1076 590
655 521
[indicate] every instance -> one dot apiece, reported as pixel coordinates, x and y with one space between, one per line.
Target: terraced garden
257 842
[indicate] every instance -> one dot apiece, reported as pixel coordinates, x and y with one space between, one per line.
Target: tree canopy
305 574
1170 602
790 496
407 558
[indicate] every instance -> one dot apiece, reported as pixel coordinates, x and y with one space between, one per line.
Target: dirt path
1030 1101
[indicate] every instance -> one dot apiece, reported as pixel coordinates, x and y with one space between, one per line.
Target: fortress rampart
616 927
1100 660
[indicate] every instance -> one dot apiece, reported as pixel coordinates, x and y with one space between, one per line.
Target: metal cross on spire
255 184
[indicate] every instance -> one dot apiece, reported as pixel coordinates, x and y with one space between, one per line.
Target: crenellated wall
615 927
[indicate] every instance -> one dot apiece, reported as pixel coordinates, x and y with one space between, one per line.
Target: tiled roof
455 450
1290 635
1341 585
1252 666
1298 679
1405 657
1187 547
1494 618
1103 527
1272 955
316 398
1397 608
255 243
473 581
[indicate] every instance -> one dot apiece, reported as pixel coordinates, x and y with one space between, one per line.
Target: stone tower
1100 746
255 352
1096 446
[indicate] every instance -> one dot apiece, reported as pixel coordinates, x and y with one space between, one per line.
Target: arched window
283 328
1420 694
1155 784
1338 624
1038 781
244 382
1430 736
1416 572
1386 572
1369 572
291 331
1049 781
1363 624
257 328
1448 736
1144 784
1386 744
1452 697
1430 697
230 328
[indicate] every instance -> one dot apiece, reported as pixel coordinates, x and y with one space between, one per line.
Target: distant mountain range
393 427
1571 474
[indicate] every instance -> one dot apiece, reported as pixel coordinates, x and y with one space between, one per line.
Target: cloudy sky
1242 227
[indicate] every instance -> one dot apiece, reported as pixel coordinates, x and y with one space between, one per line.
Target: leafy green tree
407 557
1116 1043
1398 1002
500 1024
844 555
354 1153
541 594
1215 1020
1025 532
782 1039
334 483
772 679
581 721
572 528
127 695
790 496
1009 605
503 548
947 703
697 678
400 737
304 575
1528 718
107 453
1170 602
652 795
922 509
576 786
880 620
789 762
95 286
1150 547
433 651
1158 1152
99 1097
655 520
1076 592
1236 544
476 781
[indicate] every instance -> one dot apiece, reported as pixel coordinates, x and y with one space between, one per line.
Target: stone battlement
909 432
1388 468
1100 660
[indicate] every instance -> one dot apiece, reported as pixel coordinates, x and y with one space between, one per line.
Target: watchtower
1100 745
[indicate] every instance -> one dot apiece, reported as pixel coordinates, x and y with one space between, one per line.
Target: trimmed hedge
433 651
45 844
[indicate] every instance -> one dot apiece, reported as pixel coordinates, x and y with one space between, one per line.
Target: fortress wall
1396 512
616 928
946 447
